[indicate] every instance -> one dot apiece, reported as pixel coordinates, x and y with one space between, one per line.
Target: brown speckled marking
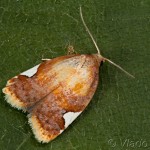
26 91
61 85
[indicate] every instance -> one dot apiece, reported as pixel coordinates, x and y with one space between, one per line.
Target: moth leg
70 50
45 59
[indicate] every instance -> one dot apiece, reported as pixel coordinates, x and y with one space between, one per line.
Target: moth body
56 93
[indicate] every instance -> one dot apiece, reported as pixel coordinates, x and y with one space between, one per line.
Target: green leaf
118 115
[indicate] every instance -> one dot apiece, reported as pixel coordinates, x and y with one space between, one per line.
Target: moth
55 92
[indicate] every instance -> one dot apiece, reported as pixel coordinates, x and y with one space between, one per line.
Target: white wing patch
31 71
70 117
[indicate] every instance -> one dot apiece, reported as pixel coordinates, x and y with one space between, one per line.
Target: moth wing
26 89
30 72
69 85
10 95
51 116
48 118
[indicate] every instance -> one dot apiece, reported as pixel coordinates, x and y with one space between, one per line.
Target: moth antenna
87 29
119 67
98 50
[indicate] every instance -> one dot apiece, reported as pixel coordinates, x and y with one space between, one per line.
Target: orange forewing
61 85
